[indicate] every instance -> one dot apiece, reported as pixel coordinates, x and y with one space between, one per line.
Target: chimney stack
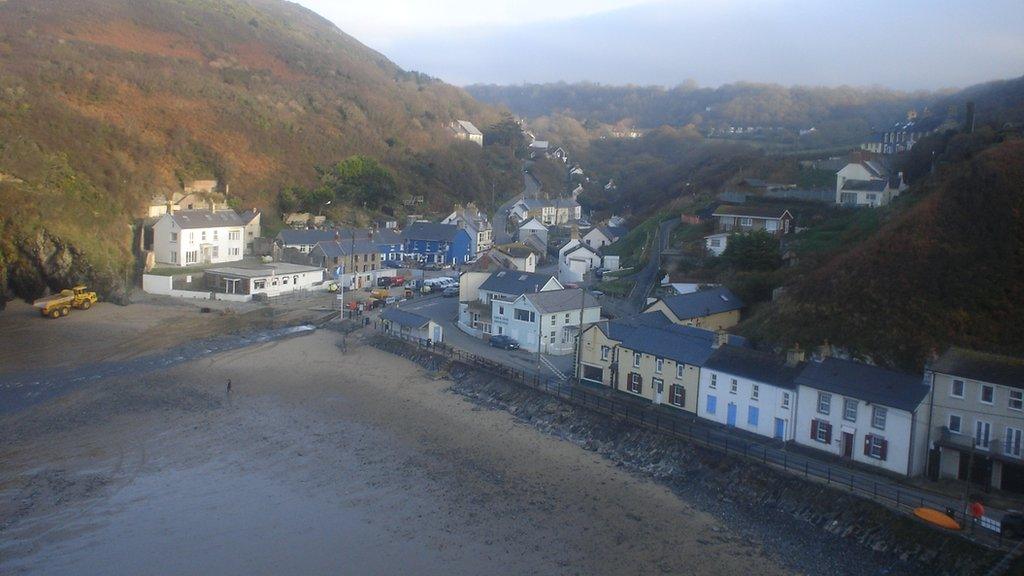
574 234
721 338
824 351
794 355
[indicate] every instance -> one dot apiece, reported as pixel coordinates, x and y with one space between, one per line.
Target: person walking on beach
229 385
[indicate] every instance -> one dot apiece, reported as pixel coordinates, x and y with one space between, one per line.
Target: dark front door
847 445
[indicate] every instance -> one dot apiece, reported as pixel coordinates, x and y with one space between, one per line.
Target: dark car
393 264
1012 525
450 291
504 342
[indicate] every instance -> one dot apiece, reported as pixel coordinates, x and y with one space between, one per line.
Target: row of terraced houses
963 417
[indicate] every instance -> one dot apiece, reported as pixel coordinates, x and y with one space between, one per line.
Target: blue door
730 417
712 404
780 428
752 413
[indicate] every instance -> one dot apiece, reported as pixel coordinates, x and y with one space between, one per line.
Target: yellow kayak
936 517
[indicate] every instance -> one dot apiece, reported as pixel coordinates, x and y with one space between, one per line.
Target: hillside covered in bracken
105 103
947 269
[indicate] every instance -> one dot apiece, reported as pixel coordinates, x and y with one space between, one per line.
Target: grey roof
535 221
865 185
566 203
864 382
186 219
469 128
249 215
561 300
515 282
404 318
337 248
981 366
305 237
755 365
535 203
431 231
751 211
386 236
703 302
261 270
680 343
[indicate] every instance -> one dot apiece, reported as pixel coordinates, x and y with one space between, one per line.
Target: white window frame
755 391
734 386
952 389
785 400
681 370
1012 442
1015 397
959 423
636 359
713 384
746 221
605 352
847 404
875 444
977 434
981 394
879 416
824 399
659 365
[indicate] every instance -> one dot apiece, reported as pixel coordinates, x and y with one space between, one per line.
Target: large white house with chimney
196 237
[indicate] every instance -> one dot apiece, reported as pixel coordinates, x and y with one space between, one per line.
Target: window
849 410
191 257
174 236
523 315
551 337
871 197
875 447
233 251
821 431
174 257
733 386
259 284
566 317
712 404
987 394
785 400
295 279
714 381
659 363
746 222
191 237
605 351
501 310
635 384
752 414
956 390
215 252
1016 399
1012 442
680 370
203 238
552 319
878 415
715 242
677 395
232 235
755 392
824 403
284 280
636 359
215 235
955 423
982 433
771 225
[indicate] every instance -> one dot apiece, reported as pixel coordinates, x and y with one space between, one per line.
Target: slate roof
337 248
187 219
262 270
249 215
864 382
751 211
755 365
865 185
703 302
680 343
515 282
560 300
469 128
566 203
303 237
404 318
533 221
981 366
431 231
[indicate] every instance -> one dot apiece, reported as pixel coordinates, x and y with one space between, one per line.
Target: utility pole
579 335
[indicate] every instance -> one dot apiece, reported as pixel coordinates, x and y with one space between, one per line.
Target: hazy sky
905 44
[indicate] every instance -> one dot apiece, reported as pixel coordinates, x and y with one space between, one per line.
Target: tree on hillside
753 251
505 133
361 181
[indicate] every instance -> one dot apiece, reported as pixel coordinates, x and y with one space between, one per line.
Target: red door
847 445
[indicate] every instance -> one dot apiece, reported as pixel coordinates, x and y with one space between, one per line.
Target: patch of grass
618 287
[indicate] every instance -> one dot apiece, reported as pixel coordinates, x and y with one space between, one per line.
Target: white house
515 257
716 243
465 130
264 279
600 236
192 237
476 314
867 183
546 321
395 320
253 230
567 211
863 413
750 390
534 227
576 259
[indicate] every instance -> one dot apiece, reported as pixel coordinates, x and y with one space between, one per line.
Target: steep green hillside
947 268
104 103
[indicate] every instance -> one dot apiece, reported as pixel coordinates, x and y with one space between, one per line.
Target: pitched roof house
465 130
744 218
868 183
715 308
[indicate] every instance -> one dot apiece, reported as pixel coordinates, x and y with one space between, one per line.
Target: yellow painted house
651 357
712 309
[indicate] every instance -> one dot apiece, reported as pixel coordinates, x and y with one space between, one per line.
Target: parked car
450 291
392 264
384 281
504 342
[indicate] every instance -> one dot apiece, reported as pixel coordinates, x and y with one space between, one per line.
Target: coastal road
646 278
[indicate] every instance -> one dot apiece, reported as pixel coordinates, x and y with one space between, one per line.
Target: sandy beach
321 462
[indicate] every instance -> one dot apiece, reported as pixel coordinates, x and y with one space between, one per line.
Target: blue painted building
435 243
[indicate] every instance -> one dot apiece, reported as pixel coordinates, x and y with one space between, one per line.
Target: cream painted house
714 309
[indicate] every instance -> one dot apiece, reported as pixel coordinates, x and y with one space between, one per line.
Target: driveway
531 189
648 275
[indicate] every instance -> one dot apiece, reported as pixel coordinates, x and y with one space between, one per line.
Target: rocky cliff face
37 263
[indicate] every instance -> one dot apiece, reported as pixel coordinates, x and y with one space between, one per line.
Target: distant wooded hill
104 103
